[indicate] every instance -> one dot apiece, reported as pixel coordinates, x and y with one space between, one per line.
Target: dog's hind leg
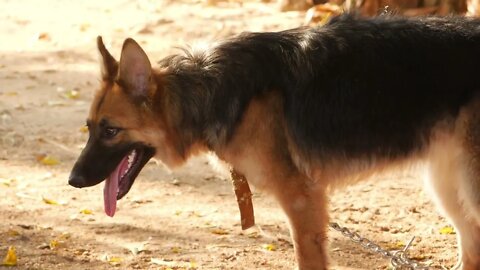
450 178
468 130
469 236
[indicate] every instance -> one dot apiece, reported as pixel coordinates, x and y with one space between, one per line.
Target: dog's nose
77 181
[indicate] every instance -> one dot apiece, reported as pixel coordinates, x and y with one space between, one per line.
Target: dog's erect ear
135 69
109 64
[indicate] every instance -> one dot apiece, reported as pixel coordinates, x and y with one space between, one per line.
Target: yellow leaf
84 27
269 247
13 232
54 244
176 250
86 211
397 245
49 201
219 231
72 94
418 257
11 258
83 129
47 160
447 230
7 182
114 260
194 214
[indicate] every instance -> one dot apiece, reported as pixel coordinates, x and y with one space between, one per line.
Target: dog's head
125 123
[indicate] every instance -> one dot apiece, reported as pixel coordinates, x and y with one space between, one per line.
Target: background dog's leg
447 175
306 208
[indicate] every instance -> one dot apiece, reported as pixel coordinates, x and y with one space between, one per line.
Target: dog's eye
110 132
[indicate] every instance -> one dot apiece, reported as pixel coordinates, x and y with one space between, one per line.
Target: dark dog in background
300 111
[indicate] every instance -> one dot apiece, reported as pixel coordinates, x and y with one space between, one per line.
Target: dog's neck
207 92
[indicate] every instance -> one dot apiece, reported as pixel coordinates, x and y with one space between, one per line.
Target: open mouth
121 179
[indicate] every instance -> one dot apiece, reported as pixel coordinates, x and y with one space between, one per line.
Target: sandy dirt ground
187 219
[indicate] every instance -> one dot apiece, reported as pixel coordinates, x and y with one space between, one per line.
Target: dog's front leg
306 208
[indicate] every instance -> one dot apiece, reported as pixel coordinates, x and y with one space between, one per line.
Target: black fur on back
353 87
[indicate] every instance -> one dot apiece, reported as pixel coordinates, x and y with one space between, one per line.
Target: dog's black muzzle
95 163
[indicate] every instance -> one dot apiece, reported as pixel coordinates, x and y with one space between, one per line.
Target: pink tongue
110 190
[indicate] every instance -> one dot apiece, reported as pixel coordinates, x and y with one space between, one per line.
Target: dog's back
377 87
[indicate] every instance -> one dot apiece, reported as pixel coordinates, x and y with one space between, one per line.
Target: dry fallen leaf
269 247
72 94
396 245
7 182
47 160
83 129
147 29
86 211
12 232
417 257
43 36
194 214
85 26
49 201
114 260
54 244
176 250
11 257
212 2
447 230
219 231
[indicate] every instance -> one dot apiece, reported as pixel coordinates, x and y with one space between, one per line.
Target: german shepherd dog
300 111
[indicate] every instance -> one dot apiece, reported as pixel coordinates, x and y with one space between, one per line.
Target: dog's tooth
131 157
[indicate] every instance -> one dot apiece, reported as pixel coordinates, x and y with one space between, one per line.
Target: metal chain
398 258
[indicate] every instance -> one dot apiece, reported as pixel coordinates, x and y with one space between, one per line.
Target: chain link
398 258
